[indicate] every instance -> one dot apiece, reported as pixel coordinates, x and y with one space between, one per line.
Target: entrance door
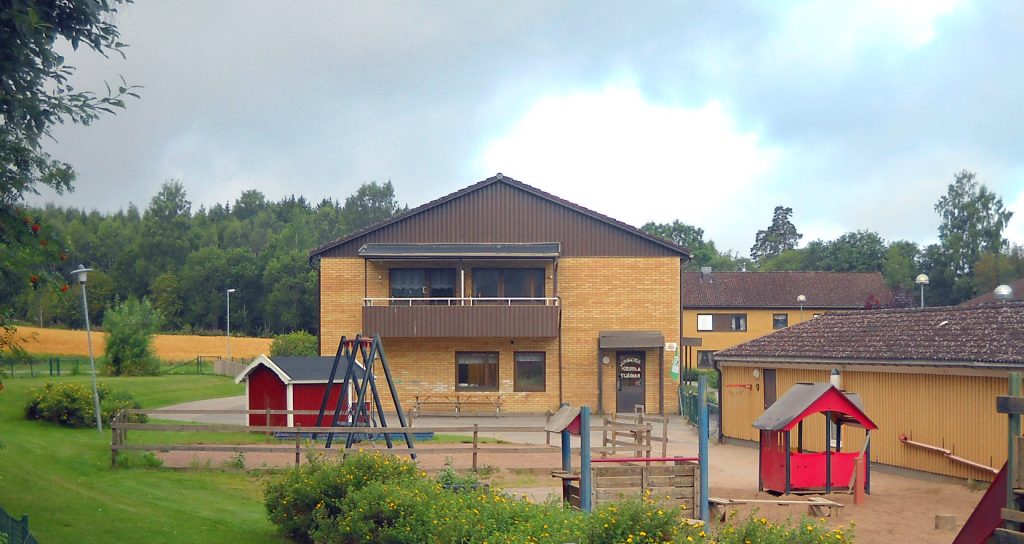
769 387
630 380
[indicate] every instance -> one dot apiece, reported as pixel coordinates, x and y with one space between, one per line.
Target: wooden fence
121 425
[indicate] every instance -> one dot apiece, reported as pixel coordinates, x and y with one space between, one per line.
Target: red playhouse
292 383
783 471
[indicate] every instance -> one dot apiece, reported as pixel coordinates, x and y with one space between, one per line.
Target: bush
294 343
130 328
375 498
71 404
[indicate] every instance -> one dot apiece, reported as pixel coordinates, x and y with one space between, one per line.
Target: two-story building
725 309
503 290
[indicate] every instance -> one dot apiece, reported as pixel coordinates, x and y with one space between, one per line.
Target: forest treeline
183 259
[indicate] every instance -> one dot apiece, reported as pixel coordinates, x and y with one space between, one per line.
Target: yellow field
168 347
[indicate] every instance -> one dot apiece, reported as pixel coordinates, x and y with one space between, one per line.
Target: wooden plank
615 494
1013 515
1006 536
672 470
604 471
670 481
618 483
1009 405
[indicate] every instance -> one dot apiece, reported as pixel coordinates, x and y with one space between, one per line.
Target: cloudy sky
855 114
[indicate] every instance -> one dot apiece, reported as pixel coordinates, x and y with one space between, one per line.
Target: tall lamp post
801 299
228 295
922 280
81 274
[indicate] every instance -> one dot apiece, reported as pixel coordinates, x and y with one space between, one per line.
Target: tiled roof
839 290
976 335
990 297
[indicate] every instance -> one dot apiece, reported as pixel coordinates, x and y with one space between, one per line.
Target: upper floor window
780 321
422 282
508 282
721 322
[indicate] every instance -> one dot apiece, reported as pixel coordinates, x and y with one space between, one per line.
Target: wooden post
547 435
476 443
858 474
113 440
664 436
298 451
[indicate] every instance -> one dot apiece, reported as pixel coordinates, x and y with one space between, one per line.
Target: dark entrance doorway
629 378
770 393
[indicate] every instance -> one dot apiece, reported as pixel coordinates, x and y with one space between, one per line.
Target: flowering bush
71 404
375 498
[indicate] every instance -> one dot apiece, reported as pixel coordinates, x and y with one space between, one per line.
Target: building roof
827 290
455 231
975 336
805 399
300 369
990 297
458 251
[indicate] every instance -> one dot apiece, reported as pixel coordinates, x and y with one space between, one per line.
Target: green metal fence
15 531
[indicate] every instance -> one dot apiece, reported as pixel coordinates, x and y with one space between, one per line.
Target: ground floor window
476 371
530 371
705 358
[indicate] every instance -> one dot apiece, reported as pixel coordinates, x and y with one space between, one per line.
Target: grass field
62 477
168 347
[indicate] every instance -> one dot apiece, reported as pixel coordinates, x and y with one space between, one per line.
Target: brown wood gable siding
501 213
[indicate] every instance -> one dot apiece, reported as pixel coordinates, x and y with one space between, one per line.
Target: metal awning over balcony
546 250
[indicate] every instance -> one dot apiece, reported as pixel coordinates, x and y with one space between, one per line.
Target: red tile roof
839 290
990 297
973 335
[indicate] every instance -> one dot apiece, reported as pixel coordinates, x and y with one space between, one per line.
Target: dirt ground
900 508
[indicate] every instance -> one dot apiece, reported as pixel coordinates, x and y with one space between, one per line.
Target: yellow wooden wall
954 412
759 323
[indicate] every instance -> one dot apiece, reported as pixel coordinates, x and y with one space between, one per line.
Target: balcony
461 317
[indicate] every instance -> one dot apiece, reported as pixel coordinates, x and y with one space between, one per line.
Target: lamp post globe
1003 293
82 276
801 299
922 280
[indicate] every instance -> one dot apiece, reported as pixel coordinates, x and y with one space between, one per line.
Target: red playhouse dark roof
805 399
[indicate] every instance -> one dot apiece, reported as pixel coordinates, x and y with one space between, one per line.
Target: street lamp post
921 280
801 299
80 275
228 295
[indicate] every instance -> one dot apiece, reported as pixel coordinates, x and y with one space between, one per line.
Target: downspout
554 266
314 262
683 263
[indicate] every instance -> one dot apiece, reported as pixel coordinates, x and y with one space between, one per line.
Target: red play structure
784 471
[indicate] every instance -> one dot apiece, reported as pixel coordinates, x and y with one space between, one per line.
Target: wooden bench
458 402
816 506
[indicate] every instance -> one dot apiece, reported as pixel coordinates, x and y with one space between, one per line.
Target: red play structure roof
805 399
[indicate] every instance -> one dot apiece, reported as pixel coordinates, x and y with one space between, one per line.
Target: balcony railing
479 317
462 301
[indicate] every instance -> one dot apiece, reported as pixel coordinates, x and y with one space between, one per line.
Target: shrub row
71 404
374 498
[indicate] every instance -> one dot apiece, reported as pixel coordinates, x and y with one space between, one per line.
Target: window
705 358
780 321
530 371
476 371
508 282
422 283
721 322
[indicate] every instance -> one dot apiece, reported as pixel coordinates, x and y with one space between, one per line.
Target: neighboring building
503 290
990 297
930 374
725 309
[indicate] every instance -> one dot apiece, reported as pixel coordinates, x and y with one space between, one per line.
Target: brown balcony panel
461 321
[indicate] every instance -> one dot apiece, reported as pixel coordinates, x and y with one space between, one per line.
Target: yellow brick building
725 309
503 294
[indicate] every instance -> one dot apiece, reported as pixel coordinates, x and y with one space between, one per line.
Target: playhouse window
530 371
477 371
780 321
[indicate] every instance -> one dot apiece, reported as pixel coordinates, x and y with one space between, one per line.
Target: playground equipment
362 354
948 453
1003 503
683 483
782 471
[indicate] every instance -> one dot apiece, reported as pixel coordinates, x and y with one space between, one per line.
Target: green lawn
62 477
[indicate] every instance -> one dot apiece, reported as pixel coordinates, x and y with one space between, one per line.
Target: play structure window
508 282
780 321
477 371
530 371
